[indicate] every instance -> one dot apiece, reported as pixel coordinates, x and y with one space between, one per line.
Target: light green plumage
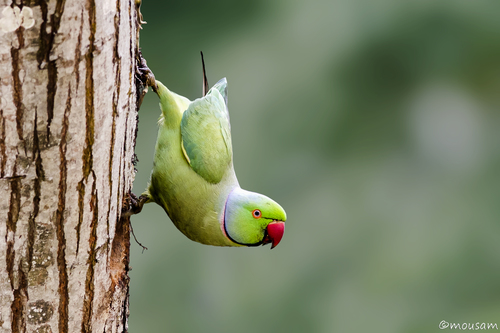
193 172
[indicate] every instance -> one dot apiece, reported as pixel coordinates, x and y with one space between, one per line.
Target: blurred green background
375 124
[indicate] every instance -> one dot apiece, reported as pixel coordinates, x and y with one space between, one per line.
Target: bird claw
133 204
144 78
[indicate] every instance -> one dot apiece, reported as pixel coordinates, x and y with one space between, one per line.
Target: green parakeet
193 177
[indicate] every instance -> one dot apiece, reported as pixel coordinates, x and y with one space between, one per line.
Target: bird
193 177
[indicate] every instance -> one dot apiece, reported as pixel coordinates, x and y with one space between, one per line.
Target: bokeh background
375 124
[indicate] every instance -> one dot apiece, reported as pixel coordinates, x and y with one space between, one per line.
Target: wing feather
206 134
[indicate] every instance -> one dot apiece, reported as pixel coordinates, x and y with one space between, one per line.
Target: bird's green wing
206 134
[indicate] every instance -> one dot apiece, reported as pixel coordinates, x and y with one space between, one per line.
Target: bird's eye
256 213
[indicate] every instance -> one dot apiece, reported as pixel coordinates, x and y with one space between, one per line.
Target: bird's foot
144 78
133 204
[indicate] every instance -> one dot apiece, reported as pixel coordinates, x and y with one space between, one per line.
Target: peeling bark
68 122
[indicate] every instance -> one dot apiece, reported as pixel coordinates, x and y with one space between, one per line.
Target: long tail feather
205 81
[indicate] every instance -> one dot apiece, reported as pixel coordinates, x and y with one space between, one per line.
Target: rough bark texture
67 134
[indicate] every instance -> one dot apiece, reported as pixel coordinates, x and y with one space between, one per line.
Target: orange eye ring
256 213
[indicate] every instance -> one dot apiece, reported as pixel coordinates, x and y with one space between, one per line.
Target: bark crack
89 282
18 308
40 176
89 96
87 157
43 54
17 85
12 217
125 311
61 207
80 186
78 54
121 172
3 154
15 204
116 98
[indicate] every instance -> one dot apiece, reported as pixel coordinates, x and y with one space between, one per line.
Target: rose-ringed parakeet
193 177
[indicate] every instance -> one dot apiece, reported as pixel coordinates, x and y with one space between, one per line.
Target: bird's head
253 219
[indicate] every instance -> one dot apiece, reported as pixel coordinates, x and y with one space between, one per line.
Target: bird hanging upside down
193 176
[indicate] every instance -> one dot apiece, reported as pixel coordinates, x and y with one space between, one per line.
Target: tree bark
68 122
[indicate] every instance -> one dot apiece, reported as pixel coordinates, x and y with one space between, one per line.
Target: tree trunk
67 133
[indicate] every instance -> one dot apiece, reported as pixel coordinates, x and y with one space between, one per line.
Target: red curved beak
275 231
